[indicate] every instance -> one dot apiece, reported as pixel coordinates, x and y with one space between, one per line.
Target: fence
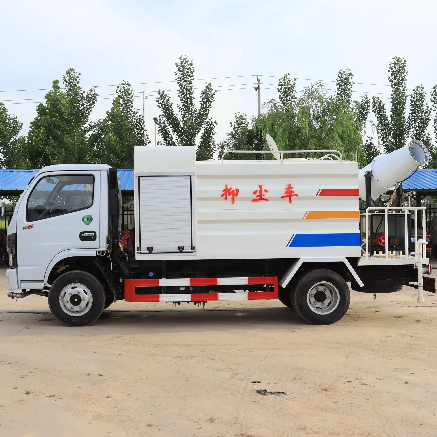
127 218
431 211
5 218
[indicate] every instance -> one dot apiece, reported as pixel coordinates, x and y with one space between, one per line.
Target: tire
67 294
321 297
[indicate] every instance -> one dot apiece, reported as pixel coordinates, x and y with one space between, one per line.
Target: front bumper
12 279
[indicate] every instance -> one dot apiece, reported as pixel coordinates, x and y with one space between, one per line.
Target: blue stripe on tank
324 240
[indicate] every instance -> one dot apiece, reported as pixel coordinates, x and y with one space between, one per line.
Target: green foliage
420 116
10 142
362 111
344 84
370 150
243 137
61 131
393 131
113 139
58 134
287 91
398 81
184 129
433 163
312 121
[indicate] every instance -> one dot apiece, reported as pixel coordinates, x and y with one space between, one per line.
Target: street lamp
155 119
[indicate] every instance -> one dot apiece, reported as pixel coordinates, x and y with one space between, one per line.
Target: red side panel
197 282
131 284
203 297
261 295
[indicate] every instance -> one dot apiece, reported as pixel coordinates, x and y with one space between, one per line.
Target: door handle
88 236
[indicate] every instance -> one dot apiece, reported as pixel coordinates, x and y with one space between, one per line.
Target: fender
295 266
67 254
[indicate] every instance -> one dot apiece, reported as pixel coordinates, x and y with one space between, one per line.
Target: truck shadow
200 320
128 322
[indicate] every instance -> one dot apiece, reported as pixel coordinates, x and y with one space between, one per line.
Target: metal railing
127 217
330 153
387 211
5 219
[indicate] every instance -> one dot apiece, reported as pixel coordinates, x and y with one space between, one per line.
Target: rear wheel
77 298
321 297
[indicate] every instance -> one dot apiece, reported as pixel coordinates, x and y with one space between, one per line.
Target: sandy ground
156 370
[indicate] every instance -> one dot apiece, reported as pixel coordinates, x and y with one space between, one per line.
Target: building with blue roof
14 181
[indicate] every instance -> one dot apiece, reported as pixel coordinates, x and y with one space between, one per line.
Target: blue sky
140 41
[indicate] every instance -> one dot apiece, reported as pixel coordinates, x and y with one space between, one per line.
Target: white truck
287 229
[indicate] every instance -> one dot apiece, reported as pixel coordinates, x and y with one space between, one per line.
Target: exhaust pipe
388 170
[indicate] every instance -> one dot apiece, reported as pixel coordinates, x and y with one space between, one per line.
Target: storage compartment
165 214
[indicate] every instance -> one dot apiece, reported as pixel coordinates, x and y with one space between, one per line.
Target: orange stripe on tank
333 215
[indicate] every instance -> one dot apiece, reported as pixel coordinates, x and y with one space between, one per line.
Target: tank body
244 209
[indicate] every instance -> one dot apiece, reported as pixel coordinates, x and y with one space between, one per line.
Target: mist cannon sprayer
387 171
393 232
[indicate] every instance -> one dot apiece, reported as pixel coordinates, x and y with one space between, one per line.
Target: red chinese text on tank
230 192
290 193
260 194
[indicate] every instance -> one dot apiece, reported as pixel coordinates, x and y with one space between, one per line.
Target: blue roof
422 179
17 180
126 177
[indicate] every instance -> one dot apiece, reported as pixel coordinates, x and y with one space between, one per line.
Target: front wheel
77 298
321 297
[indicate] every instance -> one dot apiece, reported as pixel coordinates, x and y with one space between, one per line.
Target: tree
10 143
434 106
58 134
419 117
184 129
113 139
312 121
394 131
243 136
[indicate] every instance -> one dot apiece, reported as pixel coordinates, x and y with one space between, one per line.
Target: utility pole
155 119
144 118
258 88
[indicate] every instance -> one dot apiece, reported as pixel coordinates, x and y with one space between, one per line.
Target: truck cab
63 213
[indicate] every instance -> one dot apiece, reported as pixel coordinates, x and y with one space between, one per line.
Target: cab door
61 213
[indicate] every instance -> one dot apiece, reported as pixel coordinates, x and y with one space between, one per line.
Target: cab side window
60 194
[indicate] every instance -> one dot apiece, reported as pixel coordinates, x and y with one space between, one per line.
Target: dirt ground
156 370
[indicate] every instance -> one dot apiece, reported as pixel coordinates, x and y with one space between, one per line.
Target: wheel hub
75 299
323 298
320 296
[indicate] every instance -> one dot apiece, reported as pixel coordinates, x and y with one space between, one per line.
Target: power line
199 79
219 88
235 87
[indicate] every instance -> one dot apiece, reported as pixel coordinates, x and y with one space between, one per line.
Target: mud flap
428 284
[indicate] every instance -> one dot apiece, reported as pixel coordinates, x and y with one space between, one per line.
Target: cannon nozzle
388 170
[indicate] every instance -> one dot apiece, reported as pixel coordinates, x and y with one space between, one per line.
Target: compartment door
166 216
